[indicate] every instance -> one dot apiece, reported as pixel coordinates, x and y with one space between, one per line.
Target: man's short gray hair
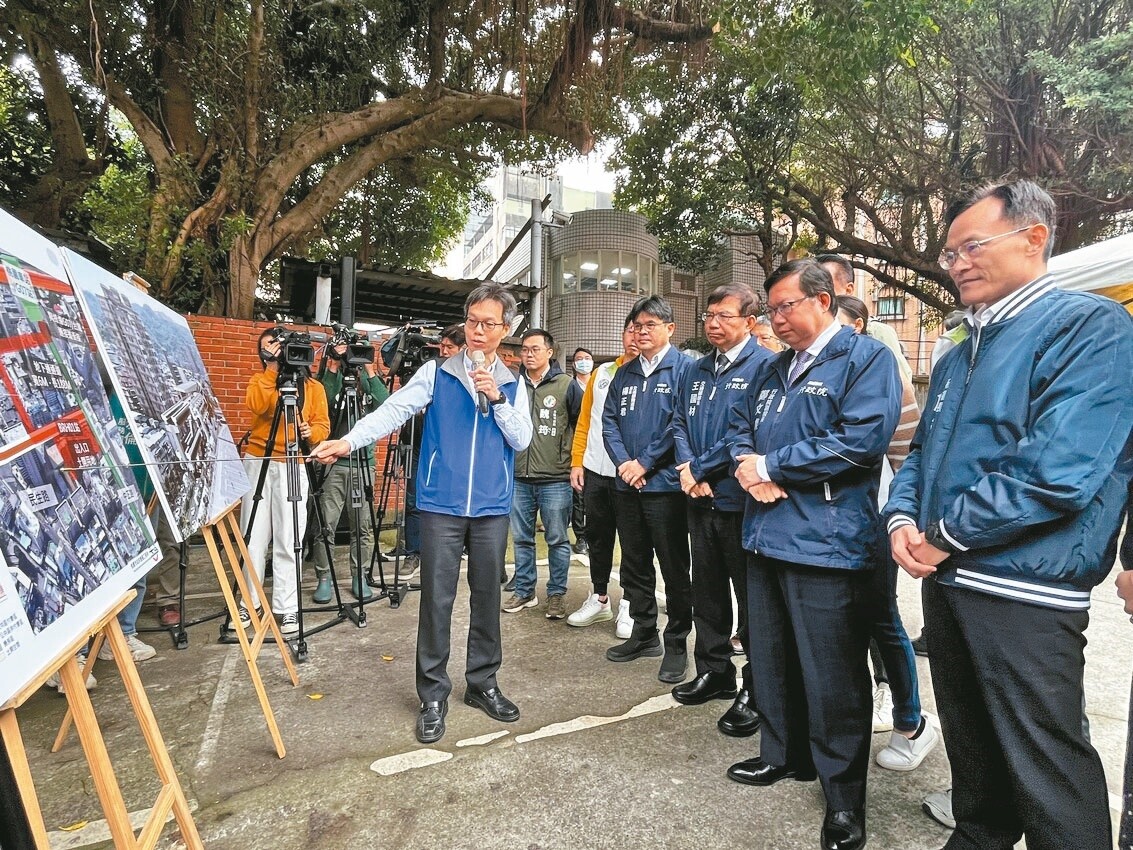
493 292
1024 202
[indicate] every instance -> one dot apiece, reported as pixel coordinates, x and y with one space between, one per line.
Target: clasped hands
913 553
747 473
693 488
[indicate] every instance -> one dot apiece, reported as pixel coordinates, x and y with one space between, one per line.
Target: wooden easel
226 548
171 797
228 552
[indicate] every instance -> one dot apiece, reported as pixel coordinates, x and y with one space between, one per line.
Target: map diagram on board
71 517
160 380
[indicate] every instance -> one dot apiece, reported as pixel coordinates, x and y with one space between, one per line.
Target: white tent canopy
1104 267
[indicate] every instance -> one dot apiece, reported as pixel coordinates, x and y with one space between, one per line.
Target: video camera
405 351
359 347
295 348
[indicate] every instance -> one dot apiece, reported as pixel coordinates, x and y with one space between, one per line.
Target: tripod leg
181 637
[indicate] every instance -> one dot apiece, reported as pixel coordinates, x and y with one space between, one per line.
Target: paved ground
602 757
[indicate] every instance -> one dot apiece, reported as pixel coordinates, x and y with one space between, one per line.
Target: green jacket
554 407
371 393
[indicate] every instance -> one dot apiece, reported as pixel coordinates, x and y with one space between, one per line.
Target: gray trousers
167 571
336 497
442 541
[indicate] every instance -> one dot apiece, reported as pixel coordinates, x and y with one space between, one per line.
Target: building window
684 282
605 271
891 307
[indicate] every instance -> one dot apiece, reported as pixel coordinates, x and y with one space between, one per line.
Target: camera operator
476 419
452 342
336 483
274 518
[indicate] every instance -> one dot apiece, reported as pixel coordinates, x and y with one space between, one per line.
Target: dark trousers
719 563
648 523
890 648
442 541
598 495
1008 682
578 517
812 688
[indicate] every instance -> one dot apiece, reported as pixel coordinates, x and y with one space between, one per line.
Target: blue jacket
823 440
1022 458
638 417
704 405
466 467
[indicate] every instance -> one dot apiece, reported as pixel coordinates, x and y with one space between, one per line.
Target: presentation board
159 378
73 527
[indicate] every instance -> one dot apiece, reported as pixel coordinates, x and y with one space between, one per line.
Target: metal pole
347 280
536 307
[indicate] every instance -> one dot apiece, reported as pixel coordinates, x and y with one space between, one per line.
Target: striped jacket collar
1011 305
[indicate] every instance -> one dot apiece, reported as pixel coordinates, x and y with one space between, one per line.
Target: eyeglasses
786 307
719 317
472 324
970 250
647 327
532 350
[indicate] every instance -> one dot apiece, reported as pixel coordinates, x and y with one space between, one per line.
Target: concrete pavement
602 757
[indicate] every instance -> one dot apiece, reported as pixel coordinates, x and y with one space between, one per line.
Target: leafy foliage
848 126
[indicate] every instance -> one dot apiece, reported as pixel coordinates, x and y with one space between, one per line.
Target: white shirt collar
821 341
648 364
734 352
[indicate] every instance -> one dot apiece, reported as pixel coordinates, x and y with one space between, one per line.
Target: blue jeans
128 616
895 660
552 501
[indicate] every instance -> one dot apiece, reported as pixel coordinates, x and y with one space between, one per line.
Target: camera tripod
348 409
399 467
287 411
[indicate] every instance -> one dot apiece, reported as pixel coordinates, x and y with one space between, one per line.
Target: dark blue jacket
1024 453
637 422
823 439
704 405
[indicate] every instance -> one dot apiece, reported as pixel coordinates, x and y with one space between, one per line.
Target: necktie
802 359
721 362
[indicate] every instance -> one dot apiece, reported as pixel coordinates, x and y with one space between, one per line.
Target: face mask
584 367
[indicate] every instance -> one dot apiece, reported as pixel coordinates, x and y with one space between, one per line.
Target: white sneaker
593 611
882 708
139 651
53 679
906 754
289 624
624 628
938 806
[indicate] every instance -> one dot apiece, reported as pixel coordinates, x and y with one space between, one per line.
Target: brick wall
228 349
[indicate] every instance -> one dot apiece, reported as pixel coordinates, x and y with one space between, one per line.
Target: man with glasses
476 419
1008 503
649 510
808 442
716 384
542 476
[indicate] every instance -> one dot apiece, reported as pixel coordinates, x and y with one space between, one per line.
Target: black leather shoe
636 648
741 720
673 666
844 830
431 721
492 703
707 686
757 772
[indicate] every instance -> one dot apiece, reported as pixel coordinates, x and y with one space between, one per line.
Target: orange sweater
582 427
262 397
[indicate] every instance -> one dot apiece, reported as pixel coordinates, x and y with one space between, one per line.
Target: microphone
477 358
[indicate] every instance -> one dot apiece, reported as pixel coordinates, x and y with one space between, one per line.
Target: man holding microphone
476 419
